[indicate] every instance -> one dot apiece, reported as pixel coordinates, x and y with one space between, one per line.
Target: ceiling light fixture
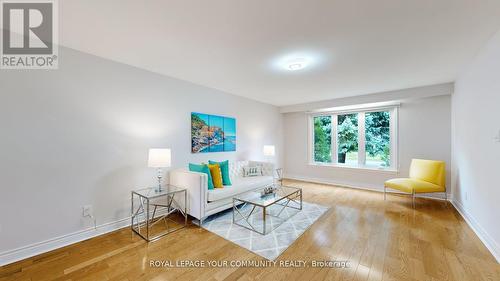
296 64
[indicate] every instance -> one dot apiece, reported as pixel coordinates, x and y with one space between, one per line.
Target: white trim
361 113
310 138
394 141
328 182
357 108
487 240
375 188
34 249
38 248
403 95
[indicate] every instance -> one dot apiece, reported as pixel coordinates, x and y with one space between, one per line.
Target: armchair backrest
428 170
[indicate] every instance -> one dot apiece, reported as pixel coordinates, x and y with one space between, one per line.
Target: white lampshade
269 150
159 158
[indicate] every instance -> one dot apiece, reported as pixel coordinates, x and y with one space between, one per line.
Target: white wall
476 153
424 132
80 135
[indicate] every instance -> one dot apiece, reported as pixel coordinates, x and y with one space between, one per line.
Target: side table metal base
142 221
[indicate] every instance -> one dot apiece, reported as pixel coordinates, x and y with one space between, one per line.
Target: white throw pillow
252 171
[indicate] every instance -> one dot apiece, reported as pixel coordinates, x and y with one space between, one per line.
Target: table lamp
269 150
159 158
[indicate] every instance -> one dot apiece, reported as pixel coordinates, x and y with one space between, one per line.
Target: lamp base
158 188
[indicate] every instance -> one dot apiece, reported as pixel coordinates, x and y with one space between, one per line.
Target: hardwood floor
382 240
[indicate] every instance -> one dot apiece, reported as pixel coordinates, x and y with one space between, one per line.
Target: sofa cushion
412 185
240 185
216 174
202 168
224 168
236 169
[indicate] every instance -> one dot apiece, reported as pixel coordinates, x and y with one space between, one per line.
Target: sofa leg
200 222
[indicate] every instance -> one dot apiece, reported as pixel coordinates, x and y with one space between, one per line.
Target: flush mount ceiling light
296 64
297 61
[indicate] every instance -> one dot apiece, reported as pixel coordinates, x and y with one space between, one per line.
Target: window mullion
361 139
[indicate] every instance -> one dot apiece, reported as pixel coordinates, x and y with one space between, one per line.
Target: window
323 139
347 139
378 139
364 139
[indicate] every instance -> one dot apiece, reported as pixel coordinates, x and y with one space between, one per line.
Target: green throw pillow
224 168
202 168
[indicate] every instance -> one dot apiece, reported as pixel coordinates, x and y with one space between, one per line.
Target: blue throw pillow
202 168
224 168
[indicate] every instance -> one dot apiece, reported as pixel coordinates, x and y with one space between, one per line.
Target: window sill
360 168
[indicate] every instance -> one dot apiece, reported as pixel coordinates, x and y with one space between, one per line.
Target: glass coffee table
263 213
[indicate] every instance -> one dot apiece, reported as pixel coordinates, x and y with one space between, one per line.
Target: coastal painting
212 133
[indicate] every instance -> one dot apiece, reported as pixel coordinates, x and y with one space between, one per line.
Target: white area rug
271 245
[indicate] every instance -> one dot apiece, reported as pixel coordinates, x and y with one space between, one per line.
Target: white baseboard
487 240
34 249
330 182
370 188
21 253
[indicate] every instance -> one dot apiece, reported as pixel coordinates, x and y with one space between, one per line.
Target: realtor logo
29 34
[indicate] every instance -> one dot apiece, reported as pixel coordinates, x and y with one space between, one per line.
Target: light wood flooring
382 240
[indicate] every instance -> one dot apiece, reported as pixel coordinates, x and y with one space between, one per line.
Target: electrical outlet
87 211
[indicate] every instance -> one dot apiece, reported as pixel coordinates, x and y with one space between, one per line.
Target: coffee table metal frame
240 202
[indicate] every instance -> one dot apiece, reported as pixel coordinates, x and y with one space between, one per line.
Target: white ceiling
361 46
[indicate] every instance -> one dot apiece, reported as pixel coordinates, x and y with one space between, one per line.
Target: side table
163 205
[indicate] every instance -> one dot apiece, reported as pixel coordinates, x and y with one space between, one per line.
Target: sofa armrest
267 167
196 185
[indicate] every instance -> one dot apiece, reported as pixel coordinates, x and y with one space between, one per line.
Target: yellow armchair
426 176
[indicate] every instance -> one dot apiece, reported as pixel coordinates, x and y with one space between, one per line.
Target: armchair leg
413 199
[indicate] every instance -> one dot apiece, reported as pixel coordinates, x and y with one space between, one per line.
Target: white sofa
202 202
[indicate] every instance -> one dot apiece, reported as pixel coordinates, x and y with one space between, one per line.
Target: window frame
394 138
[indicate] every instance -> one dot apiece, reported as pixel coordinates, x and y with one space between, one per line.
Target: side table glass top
151 192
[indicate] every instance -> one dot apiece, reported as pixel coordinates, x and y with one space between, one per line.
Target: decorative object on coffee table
267 190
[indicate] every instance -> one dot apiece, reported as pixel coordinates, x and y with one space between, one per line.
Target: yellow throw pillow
216 174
